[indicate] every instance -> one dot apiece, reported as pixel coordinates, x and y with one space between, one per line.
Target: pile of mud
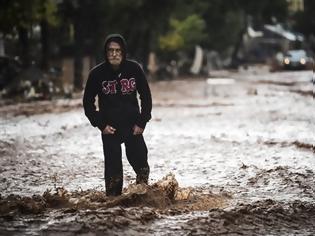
40 107
297 144
91 212
140 207
163 195
257 218
6 148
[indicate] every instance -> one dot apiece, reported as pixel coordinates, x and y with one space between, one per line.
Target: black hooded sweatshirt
117 93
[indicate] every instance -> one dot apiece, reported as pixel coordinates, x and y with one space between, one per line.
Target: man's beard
115 61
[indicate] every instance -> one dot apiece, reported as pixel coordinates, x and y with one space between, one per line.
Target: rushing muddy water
228 156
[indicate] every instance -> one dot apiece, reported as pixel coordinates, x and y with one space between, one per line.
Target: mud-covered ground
231 155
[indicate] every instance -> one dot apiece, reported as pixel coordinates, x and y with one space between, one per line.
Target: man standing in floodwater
116 82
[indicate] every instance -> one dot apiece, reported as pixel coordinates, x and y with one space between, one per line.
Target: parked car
297 59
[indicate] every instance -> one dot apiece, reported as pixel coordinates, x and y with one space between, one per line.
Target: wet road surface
232 155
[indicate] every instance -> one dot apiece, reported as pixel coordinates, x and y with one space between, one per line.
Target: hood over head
117 38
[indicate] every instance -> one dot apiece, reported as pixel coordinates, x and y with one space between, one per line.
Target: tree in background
227 22
19 18
90 21
141 22
184 35
48 18
84 25
165 27
304 22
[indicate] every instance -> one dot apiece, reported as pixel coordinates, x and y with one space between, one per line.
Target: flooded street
232 155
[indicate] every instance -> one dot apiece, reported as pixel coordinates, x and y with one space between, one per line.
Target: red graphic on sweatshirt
128 85
109 87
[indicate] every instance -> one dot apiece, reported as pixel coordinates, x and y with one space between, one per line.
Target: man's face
114 53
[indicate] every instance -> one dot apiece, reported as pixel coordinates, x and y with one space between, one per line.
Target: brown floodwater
232 155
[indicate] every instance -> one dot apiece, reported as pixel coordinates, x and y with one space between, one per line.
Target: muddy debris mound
7 148
257 218
306 93
296 143
162 195
39 107
59 211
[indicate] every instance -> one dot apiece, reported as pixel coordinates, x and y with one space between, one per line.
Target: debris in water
164 194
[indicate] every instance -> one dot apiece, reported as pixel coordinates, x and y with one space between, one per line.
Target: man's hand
137 130
109 130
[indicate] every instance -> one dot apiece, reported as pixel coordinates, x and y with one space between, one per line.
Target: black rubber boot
143 176
114 186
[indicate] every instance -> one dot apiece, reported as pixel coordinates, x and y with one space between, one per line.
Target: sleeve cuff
141 124
101 127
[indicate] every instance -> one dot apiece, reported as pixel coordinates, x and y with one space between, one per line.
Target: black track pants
137 155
